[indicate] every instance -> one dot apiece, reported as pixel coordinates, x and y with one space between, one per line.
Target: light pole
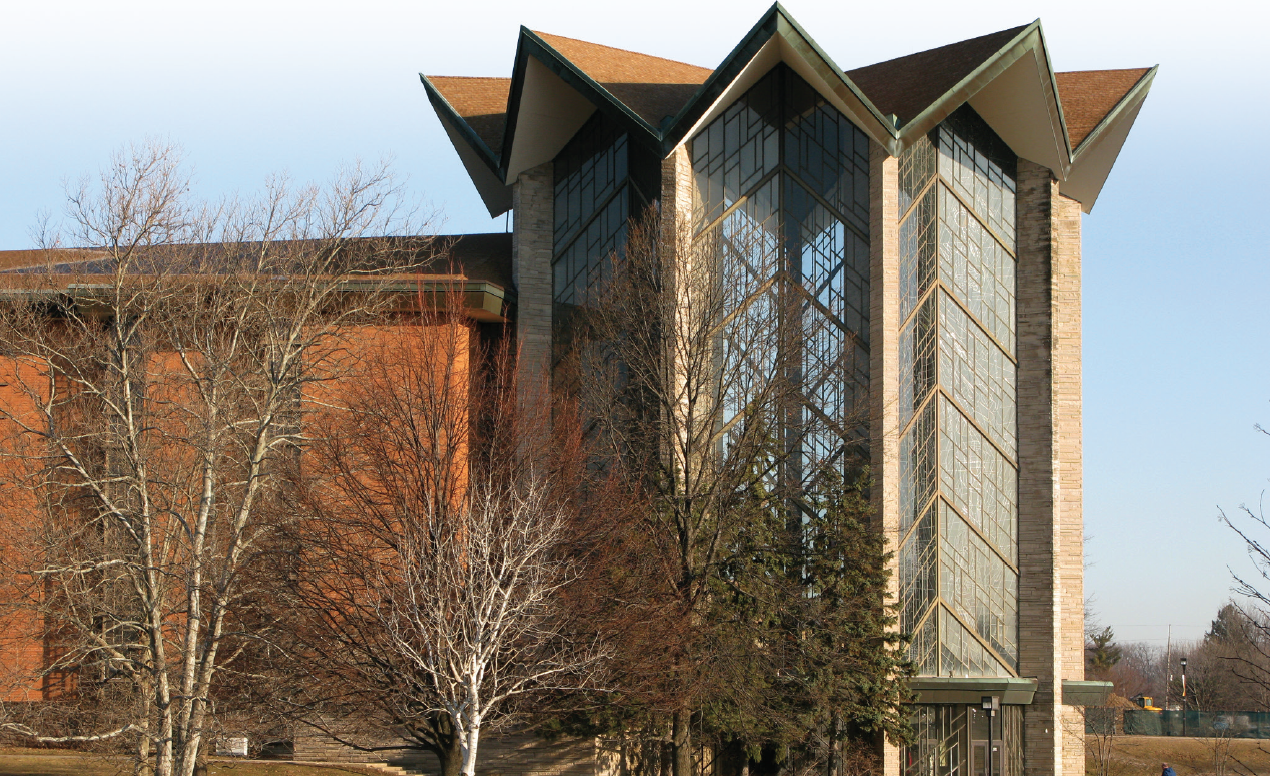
1183 697
990 704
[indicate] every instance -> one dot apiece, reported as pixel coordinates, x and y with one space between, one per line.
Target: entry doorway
979 758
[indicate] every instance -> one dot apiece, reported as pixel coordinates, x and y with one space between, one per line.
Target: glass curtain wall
958 553
954 740
601 180
781 192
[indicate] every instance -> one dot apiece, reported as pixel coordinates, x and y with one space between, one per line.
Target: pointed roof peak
1090 95
907 85
625 58
652 87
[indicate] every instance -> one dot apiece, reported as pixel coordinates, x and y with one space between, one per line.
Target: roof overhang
544 112
1097 153
1014 90
777 38
1016 93
480 162
1082 693
971 690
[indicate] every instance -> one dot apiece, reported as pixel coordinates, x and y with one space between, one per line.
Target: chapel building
929 209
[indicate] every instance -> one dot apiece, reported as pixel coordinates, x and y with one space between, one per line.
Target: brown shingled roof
482 102
1089 95
908 85
651 86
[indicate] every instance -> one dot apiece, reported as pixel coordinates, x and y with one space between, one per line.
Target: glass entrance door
979 758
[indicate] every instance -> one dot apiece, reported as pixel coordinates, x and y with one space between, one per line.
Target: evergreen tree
1103 652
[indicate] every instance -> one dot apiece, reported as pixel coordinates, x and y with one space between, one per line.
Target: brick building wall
22 643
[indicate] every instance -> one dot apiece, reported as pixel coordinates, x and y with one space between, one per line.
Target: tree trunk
451 757
472 740
144 766
834 750
681 744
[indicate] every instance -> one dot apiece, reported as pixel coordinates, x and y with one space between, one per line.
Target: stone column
1051 604
676 197
532 201
884 367
1065 281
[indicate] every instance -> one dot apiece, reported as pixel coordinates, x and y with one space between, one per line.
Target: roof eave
777 22
805 45
1098 152
478 159
531 45
1030 40
443 107
1137 93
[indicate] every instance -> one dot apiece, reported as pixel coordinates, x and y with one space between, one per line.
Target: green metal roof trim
776 22
1080 693
971 690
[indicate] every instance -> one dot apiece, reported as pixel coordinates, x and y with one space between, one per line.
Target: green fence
1206 724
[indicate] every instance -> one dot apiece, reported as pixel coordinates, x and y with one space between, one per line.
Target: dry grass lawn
44 762
1143 755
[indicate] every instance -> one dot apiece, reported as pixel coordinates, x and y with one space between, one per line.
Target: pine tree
1103 652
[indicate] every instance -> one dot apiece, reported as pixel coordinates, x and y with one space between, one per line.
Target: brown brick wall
22 642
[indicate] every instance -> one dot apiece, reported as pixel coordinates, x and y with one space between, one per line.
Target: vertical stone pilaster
532 201
884 368
1051 590
1065 273
676 197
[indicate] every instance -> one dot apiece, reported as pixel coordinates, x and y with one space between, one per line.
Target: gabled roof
480 102
907 85
651 86
1089 95
1006 76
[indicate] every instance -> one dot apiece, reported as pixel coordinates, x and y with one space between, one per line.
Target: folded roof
1090 95
1005 75
651 86
906 86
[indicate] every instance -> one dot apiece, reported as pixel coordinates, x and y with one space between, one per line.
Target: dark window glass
958 403
953 740
591 206
781 191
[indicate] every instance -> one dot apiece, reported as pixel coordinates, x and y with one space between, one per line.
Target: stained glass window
781 188
601 180
958 403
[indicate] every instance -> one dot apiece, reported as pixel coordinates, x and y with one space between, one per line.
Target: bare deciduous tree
701 364
434 547
154 400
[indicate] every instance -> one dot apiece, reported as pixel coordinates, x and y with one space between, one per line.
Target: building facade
926 212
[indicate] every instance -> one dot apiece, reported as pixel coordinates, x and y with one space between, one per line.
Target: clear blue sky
1176 272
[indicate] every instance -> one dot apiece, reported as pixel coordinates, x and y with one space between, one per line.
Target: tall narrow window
781 185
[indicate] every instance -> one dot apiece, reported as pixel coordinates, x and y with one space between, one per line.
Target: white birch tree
158 391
